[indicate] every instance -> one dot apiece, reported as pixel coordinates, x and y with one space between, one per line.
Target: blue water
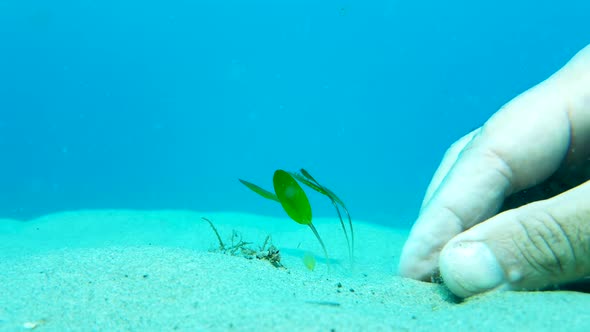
165 104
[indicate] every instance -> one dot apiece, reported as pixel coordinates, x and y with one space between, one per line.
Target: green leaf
262 192
309 183
309 180
309 261
292 197
306 178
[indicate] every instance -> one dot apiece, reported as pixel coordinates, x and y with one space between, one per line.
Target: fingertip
418 270
470 268
416 264
419 257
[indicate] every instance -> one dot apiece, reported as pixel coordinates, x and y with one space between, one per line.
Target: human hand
536 146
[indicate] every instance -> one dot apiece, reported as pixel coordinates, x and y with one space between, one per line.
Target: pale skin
475 232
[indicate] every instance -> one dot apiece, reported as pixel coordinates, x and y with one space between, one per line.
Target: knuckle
546 245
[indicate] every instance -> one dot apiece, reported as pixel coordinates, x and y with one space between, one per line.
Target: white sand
151 271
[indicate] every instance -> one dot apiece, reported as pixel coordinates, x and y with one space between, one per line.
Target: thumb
541 244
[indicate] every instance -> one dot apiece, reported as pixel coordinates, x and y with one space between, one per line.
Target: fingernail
470 268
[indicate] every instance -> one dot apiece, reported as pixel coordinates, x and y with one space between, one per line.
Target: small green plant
309 261
296 204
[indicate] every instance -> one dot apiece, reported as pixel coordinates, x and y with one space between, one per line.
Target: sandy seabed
119 270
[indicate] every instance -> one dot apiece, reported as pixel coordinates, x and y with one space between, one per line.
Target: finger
538 245
519 147
575 80
498 161
446 164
